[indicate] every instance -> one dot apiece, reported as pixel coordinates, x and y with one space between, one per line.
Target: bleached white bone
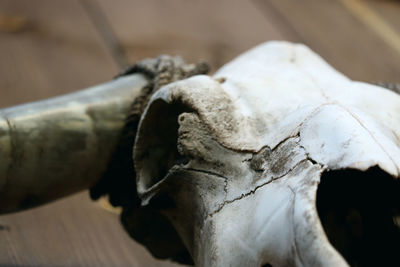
253 141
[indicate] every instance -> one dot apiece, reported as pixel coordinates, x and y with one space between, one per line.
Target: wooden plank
55 50
71 232
332 30
387 13
50 47
215 31
388 10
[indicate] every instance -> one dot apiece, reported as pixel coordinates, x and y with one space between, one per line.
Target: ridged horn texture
55 147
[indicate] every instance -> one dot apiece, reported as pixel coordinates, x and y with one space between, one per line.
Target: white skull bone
241 154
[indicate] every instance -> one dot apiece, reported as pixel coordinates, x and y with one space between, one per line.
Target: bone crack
251 192
207 172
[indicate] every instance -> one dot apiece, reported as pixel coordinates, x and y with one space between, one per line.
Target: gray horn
55 147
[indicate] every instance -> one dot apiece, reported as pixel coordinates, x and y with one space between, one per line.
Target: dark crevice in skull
158 150
360 212
152 229
266 265
156 153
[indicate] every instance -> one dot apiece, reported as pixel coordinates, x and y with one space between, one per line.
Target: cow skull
276 160
234 162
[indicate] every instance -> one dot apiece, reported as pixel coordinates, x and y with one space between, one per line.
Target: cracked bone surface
55 147
276 160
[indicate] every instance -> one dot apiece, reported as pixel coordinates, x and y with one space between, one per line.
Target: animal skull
276 160
234 161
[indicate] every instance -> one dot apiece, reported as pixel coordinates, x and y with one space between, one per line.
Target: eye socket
155 151
358 211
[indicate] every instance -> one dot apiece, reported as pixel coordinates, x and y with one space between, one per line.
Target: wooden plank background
50 47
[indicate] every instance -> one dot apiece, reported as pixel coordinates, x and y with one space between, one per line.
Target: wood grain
339 36
215 31
49 47
55 51
71 232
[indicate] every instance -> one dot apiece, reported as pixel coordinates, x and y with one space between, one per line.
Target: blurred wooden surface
50 47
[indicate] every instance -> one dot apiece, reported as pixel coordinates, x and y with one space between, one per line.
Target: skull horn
56 147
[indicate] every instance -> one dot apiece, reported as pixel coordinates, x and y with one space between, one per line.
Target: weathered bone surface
234 160
59 146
